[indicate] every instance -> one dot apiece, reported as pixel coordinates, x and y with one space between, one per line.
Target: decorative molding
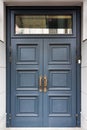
43 2
1 41
84 40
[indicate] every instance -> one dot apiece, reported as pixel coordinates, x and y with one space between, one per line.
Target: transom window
43 24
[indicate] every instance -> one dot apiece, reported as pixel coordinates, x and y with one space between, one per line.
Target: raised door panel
59 53
27 80
59 80
59 105
28 53
27 105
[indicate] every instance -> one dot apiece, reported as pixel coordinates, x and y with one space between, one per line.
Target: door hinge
8 122
10 54
77 120
78 60
10 59
9 116
77 115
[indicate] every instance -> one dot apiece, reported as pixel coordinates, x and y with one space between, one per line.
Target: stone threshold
46 128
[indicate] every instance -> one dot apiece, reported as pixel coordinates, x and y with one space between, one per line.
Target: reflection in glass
43 24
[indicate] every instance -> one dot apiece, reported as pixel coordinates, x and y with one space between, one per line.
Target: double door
43 82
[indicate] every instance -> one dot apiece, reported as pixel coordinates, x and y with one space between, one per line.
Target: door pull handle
45 84
40 84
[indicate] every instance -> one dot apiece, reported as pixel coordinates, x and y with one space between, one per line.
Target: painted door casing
54 57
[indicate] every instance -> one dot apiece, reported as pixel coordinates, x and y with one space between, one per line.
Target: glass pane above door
43 24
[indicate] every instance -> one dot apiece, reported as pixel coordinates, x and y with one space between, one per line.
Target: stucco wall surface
84 68
84 86
2 86
1 20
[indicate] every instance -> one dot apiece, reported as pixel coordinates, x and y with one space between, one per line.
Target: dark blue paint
60 100
26 100
57 107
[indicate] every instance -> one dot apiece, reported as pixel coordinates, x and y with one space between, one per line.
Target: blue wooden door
53 105
60 70
26 68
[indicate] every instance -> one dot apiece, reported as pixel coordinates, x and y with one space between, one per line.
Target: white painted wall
84 86
1 20
2 86
2 70
84 70
84 20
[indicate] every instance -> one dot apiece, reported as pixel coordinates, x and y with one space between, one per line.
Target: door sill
46 128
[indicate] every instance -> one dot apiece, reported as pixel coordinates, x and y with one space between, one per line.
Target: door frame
8 53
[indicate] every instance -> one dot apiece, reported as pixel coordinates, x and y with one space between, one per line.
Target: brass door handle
45 84
40 84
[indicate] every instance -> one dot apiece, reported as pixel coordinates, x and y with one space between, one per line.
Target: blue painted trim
8 67
78 39
51 11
